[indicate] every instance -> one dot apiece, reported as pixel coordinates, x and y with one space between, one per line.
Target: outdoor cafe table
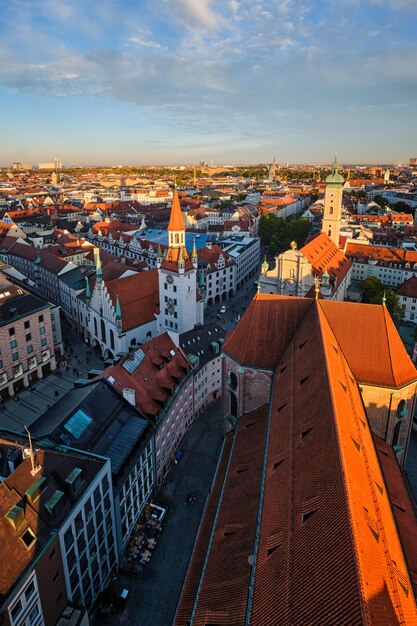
146 555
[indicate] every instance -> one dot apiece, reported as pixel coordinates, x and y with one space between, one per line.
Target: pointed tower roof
176 221
118 309
99 271
87 288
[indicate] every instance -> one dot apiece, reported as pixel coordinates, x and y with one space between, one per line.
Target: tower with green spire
332 214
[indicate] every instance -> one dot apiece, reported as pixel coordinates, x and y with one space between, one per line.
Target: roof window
36 489
16 516
303 380
28 537
52 503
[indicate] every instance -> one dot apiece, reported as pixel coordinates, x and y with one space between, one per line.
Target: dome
335 177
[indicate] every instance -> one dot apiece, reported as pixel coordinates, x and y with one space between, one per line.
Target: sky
234 81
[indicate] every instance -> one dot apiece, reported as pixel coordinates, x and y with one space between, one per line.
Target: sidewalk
154 593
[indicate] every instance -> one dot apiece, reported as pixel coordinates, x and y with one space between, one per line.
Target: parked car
223 309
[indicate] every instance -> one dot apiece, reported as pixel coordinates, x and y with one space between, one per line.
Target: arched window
177 238
396 435
232 381
111 339
402 409
95 327
103 330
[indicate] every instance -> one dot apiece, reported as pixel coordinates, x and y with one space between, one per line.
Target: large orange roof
270 321
383 362
176 221
265 329
325 256
325 544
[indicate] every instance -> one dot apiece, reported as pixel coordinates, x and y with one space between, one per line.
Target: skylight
78 423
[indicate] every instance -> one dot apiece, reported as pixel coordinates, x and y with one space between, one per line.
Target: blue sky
179 81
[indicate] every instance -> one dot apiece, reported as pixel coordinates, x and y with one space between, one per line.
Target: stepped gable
325 256
328 550
138 297
384 362
265 330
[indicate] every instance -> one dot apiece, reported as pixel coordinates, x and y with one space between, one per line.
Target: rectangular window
43 341
16 610
42 330
29 349
40 318
28 336
34 614
29 591
15 356
13 344
11 332
27 324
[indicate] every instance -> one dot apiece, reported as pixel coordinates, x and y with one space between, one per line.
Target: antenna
31 454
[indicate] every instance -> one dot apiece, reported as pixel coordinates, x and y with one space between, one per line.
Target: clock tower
180 306
332 214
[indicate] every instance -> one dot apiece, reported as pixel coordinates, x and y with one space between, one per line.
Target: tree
382 201
374 292
402 207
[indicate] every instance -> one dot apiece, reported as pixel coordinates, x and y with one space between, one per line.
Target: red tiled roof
327 549
265 330
148 382
324 255
138 297
402 504
384 362
409 288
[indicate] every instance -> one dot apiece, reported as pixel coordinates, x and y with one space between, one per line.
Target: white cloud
142 42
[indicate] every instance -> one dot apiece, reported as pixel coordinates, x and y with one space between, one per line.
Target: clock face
331 195
170 280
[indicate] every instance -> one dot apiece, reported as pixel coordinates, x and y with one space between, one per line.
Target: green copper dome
335 177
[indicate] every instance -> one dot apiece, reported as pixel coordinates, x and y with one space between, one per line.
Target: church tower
179 308
332 214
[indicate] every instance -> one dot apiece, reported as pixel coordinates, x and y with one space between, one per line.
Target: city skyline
173 83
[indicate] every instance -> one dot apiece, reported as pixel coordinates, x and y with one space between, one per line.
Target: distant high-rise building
54 165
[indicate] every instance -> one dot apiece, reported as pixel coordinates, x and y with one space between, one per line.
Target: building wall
249 386
51 582
410 308
382 408
26 346
25 608
88 541
207 384
173 425
134 493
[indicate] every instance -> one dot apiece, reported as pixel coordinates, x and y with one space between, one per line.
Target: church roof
270 321
265 329
323 547
176 221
